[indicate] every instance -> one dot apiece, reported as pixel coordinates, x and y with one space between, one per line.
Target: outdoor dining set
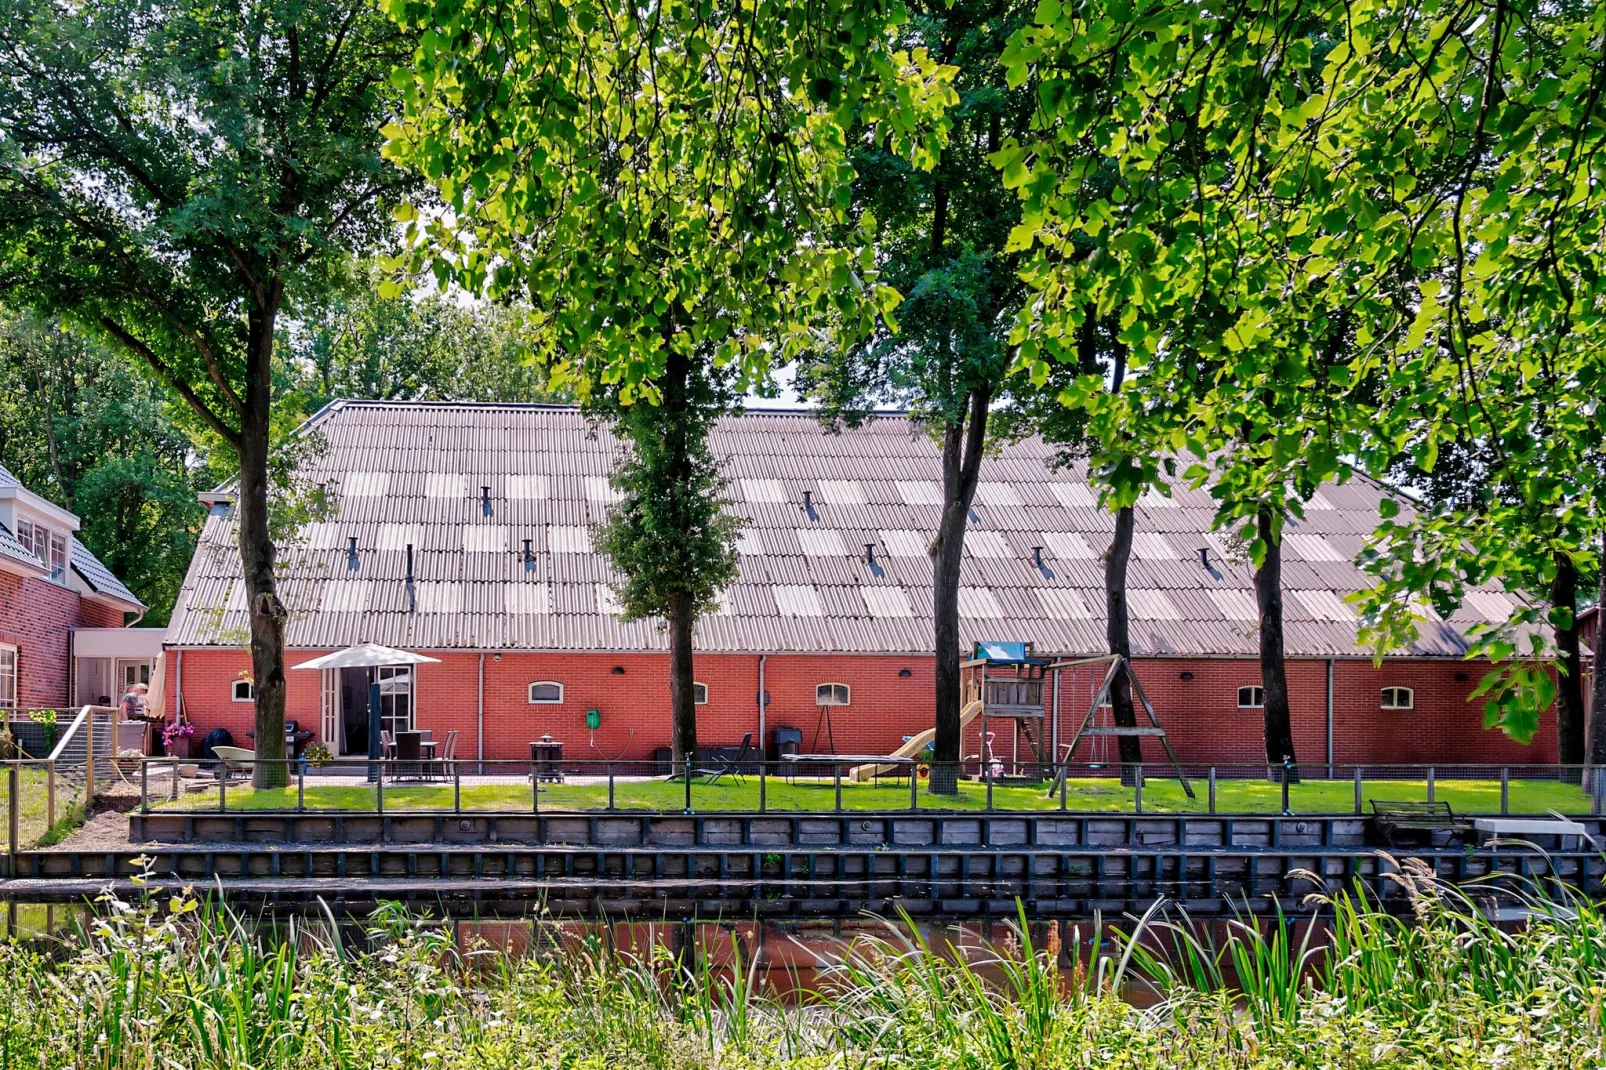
417 756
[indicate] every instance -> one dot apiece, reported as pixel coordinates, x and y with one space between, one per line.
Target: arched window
699 694
546 693
1399 698
832 695
1252 697
243 691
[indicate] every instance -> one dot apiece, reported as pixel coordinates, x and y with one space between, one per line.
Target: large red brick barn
496 506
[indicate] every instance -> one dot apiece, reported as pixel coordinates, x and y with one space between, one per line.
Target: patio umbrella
366 656
369 656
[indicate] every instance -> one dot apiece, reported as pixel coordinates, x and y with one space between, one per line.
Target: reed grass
173 982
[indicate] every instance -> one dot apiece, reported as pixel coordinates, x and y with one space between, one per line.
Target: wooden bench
1417 820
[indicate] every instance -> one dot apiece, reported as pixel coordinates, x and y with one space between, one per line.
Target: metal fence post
13 813
1505 790
535 788
989 771
836 781
1431 785
1137 789
1359 807
1065 784
379 787
301 786
144 785
89 762
222 790
610 785
1288 772
688 783
914 786
763 785
1212 789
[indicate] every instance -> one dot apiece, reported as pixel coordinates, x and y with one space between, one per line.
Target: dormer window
26 536
58 555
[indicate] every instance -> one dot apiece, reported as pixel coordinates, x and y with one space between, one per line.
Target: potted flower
178 739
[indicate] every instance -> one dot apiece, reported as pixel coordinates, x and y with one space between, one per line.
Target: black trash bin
218 737
784 741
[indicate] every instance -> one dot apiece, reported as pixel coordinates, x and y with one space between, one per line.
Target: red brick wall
1200 714
37 617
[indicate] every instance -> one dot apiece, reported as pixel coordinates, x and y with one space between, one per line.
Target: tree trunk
682 701
1273 669
1569 668
257 554
1118 633
961 468
1597 705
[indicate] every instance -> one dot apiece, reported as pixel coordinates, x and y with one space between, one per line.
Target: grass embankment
193 990
1160 796
33 807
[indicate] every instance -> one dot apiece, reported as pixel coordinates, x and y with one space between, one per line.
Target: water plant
174 978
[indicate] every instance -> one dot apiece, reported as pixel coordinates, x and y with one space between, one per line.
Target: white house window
8 677
699 694
546 693
1399 698
1252 697
25 535
832 695
243 691
58 555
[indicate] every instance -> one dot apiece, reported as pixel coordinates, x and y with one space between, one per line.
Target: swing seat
1119 730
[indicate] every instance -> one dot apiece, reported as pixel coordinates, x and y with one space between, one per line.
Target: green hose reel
593 720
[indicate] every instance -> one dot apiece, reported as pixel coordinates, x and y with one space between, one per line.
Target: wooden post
50 792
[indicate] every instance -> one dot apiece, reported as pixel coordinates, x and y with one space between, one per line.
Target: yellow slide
912 749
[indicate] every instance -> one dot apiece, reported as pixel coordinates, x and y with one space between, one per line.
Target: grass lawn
1159 796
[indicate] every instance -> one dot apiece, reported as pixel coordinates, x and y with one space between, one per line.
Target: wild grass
195 986
1084 794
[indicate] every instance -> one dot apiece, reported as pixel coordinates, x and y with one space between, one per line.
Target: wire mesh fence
838 784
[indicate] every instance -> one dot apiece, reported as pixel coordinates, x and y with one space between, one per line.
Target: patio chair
409 756
448 758
387 745
724 764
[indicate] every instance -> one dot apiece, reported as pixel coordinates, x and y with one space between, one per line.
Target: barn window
546 693
1399 698
1252 697
243 691
832 695
699 694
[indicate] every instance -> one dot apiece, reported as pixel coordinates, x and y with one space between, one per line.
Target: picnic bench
1416 822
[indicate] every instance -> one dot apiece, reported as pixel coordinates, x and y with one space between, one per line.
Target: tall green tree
84 426
671 535
665 188
356 342
1416 177
941 241
175 176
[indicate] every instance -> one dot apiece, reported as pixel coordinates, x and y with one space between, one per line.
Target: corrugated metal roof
412 474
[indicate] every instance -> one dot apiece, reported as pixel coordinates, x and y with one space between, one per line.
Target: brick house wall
1200 714
37 617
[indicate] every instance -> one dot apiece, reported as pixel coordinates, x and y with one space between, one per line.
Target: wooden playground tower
1007 680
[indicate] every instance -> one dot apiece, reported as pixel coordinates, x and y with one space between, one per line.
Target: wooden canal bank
655 865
